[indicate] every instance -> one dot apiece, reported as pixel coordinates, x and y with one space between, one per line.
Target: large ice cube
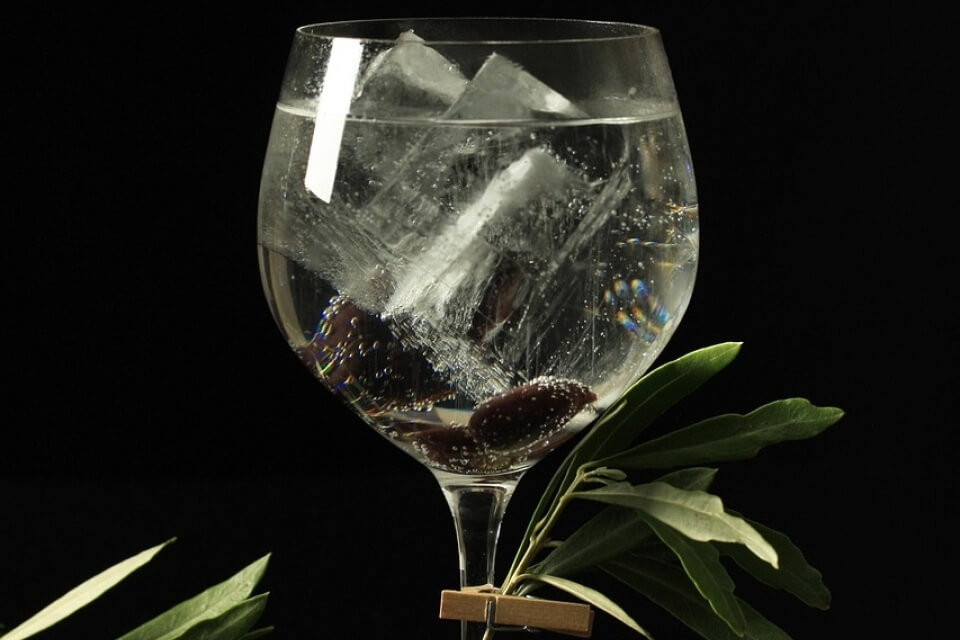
503 90
462 272
408 81
550 299
410 75
457 253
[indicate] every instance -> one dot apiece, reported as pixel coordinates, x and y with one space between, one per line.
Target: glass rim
617 30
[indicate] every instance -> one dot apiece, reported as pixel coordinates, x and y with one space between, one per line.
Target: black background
150 395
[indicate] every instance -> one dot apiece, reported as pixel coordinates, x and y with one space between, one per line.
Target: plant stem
540 536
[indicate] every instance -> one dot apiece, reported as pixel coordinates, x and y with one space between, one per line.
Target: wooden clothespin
479 604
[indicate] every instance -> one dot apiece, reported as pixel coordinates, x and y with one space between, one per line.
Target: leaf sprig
225 611
667 538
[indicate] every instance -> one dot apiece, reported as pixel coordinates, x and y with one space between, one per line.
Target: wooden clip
479 604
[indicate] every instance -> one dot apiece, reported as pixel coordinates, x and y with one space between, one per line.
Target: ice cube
440 291
408 80
457 256
503 90
409 75
551 300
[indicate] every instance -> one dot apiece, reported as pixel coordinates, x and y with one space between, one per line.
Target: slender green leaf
606 474
794 576
231 624
648 399
605 536
612 531
595 598
696 514
691 479
701 562
668 586
82 595
258 633
628 416
209 604
729 437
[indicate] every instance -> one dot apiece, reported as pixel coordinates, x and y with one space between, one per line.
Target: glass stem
477 505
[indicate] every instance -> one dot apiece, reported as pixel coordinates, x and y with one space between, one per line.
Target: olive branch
665 538
225 611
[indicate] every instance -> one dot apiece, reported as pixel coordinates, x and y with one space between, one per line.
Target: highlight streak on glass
333 105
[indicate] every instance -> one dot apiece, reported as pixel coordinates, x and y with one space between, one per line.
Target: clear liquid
479 292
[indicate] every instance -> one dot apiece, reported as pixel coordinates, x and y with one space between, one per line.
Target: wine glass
477 233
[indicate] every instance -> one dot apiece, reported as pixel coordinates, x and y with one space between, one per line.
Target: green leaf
230 624
628 416
648 399
668 586
83 594
595 598
612 531
209 604
794 576
701 562
696 514
692 479
729 437
605 475
605 536
258 633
